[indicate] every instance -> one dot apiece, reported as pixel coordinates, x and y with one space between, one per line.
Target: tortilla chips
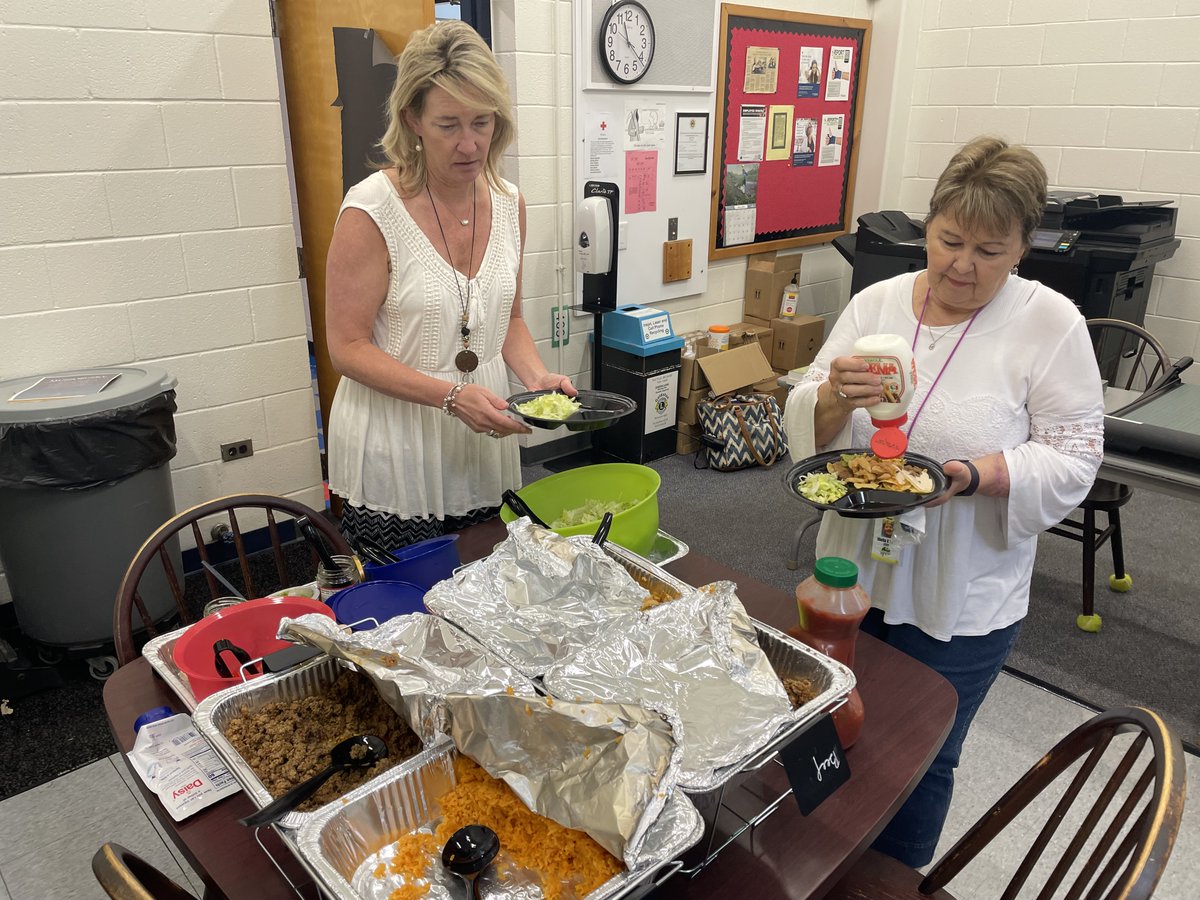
870 472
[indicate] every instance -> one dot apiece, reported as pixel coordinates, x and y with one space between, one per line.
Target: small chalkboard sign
815 764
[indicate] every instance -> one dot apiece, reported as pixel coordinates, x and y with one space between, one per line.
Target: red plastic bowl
251 625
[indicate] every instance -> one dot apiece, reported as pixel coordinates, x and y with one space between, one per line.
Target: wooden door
306 40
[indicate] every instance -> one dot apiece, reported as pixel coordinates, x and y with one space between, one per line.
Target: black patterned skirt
392 532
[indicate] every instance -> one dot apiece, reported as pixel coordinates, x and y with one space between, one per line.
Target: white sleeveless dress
403 458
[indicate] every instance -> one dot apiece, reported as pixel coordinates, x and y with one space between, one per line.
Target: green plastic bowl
634 529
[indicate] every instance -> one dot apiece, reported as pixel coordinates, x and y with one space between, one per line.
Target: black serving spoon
521 508
358 752
601 534
469 851
310 534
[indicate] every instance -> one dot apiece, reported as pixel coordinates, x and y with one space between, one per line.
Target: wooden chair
126 876
129 598
1128 817
1132 359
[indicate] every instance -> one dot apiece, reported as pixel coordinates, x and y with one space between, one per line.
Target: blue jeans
970 664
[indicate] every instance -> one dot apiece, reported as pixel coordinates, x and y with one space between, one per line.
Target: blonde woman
423 304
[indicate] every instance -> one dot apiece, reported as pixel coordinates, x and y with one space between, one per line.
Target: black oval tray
867 504
600 409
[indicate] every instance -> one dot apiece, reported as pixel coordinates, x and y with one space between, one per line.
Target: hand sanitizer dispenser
593 245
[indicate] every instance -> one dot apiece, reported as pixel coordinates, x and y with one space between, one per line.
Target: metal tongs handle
521 508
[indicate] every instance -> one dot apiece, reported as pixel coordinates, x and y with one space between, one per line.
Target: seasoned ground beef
800 691
287 741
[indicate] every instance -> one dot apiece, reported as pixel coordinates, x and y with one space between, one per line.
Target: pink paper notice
641 181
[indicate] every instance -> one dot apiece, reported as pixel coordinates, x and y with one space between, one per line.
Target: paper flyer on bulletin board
792 86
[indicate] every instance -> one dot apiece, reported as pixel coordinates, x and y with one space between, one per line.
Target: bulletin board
790 89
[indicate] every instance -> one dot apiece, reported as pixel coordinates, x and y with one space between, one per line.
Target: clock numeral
612 54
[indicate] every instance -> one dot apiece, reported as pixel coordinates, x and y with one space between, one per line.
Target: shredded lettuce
591 511
549 406
821 487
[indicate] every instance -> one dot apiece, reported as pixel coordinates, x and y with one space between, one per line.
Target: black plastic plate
867 504
600 409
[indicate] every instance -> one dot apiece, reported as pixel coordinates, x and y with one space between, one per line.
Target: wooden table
909 712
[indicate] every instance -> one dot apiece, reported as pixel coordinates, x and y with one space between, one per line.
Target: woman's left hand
554 382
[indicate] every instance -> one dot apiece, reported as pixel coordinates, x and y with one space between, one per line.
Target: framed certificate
691 143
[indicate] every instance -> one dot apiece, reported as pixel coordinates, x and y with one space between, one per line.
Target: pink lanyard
916 334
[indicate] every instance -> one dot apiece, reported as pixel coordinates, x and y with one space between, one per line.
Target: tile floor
49 834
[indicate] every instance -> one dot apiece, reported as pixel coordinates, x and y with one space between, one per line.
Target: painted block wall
1106 93
147 219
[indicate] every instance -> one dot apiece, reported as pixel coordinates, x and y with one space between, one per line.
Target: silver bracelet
451 396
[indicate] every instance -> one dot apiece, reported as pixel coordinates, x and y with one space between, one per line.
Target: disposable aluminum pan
160 653
215 712
351 837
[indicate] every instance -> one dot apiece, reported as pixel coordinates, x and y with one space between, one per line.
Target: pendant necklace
933 343
466 361
945 365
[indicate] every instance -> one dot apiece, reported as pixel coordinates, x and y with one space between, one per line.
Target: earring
419 145
1013 270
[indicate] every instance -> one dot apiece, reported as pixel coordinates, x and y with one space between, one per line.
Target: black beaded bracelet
973 484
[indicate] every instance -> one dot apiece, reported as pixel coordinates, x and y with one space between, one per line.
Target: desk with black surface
909 712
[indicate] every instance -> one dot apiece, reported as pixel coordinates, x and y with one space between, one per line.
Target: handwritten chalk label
815 764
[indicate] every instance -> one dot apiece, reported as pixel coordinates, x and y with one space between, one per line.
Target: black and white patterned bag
743 430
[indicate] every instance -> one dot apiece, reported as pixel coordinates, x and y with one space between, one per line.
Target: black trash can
84 480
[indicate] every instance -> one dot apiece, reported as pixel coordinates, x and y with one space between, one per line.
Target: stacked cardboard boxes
711 374
767 274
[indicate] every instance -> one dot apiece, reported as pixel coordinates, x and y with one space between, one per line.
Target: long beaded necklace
466 361
942 370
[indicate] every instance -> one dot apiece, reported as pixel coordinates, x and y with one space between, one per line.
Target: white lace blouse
1024 381
404 458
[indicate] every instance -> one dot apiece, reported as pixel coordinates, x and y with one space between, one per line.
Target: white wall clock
626 41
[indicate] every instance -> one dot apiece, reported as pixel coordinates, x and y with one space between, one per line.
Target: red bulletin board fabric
791 199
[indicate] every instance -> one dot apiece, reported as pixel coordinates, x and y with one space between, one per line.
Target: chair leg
1089 562
1118 548
793 561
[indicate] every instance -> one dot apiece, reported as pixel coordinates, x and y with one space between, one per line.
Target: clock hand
625 28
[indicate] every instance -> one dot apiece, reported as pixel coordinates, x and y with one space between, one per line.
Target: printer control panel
1054 240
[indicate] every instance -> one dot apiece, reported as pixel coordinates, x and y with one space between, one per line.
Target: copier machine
1095 248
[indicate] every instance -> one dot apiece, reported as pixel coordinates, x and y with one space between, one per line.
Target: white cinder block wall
1106 92
145 217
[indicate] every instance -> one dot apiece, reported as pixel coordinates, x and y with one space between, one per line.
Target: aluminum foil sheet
414 660
214 713
602 768
160 653
697 657
344 844
538 597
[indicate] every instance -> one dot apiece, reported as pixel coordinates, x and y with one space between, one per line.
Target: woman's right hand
484 413
852 384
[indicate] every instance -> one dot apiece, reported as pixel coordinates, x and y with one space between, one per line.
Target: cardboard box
767 274
691 376
687 438
737 368
797 340
774 388
745 332
753 320
687 407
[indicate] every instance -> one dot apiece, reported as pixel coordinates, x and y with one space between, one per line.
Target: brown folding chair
1131 795
158 545
126 876
1132 359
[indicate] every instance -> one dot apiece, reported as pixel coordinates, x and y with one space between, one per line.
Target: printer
1095 248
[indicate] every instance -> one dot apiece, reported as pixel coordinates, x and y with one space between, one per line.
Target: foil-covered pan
160 653
346 843
539 597
214 713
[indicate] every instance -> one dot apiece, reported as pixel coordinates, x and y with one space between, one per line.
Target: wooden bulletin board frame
804 198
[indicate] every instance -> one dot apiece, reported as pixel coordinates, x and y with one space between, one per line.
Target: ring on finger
493 433
842 394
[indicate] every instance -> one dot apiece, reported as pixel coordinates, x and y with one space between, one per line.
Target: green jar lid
833 571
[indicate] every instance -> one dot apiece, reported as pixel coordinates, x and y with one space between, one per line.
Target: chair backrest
156 551
126 876
1131 795
1129 356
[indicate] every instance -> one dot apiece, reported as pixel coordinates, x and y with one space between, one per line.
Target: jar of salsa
831 606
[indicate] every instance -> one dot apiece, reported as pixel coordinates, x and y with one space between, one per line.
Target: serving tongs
374 552
521 508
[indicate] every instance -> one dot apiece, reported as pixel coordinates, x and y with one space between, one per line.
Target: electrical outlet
560 325
237 450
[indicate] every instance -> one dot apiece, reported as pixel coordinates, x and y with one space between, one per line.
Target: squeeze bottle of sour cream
889 357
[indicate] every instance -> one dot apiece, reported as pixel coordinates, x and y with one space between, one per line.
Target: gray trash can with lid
84 480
